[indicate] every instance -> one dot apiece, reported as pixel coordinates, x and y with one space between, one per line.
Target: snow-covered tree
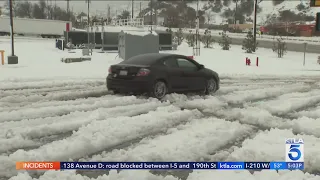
179 36
279 47
249 44
207 39
225 41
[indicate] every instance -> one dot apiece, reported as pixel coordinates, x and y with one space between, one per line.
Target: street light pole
132 9
255 22
151 14
12 59
88 24
11 28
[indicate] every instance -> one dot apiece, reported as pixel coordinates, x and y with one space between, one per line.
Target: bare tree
6 6
24 9
38 12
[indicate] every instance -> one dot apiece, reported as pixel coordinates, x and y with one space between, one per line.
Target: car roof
147 59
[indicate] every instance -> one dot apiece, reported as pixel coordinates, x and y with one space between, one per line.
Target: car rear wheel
159 89
211 86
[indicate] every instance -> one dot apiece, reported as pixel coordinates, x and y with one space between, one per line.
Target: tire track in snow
9 86
62 96
19 102
259 116
66 109
259 94
35 135
100 135
234 88
264 120
54 103
313 112
46 91
190 141
194 141
293 102
272 80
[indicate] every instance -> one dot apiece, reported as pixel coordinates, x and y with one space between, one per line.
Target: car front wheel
211 86
159 89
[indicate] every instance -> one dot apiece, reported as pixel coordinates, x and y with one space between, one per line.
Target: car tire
159 90
211 86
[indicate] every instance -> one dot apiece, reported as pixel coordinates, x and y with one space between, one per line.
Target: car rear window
141 60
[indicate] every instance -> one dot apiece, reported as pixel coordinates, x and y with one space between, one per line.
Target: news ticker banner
159 165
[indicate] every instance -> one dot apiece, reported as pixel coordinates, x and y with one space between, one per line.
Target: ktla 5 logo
294 150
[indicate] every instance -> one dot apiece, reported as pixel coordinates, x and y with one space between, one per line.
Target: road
70 120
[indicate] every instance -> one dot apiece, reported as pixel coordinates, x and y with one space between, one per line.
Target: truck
34 27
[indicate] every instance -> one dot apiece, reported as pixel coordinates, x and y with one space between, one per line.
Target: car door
174 74
191 74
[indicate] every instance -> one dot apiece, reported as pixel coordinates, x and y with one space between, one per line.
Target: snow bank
140 33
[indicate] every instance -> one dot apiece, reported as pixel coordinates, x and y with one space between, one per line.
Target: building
157 19
291 29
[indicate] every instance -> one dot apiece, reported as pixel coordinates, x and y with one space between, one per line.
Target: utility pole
132 9
255 22
12 59
235 12
88 24
68 9
151 13
196 48
11 28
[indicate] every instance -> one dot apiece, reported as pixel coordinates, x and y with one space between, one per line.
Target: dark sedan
159 74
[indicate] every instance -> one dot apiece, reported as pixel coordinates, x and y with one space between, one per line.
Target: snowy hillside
267 9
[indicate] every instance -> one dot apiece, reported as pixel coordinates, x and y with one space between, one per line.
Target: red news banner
38 165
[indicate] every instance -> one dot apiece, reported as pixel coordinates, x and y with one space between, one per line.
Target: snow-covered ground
52 111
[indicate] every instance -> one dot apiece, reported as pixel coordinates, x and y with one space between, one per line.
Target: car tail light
143 72
110 71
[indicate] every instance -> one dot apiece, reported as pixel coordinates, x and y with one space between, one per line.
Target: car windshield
141 60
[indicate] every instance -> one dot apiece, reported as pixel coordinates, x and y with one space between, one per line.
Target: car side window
186 64
171 62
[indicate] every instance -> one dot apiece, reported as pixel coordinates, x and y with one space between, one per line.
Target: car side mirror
201 66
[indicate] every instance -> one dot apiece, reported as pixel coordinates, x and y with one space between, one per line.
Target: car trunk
125 71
